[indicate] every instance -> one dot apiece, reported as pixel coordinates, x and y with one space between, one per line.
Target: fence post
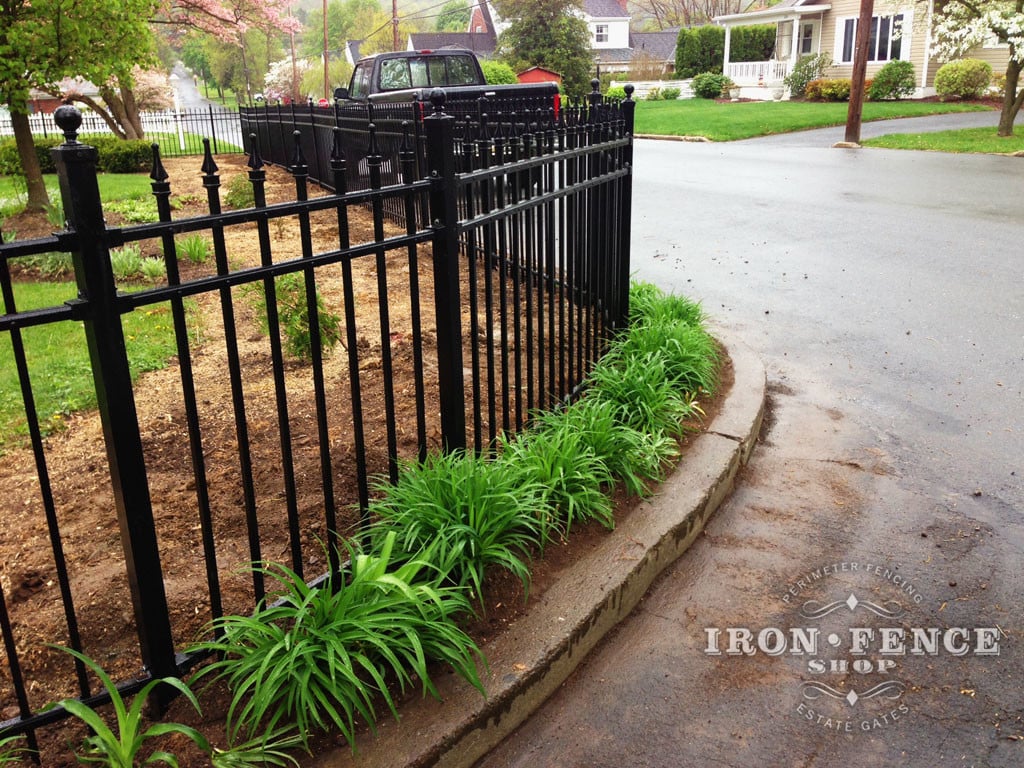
440 131
621 318
79 188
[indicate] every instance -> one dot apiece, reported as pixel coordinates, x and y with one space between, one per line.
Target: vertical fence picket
162 192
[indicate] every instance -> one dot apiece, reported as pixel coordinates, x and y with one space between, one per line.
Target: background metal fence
511 286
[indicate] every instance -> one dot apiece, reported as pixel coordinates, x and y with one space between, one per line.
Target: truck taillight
422 108
558 105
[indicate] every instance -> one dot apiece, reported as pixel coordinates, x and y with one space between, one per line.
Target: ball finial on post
69 120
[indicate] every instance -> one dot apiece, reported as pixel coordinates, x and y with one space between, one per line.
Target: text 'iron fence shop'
180 132
451 330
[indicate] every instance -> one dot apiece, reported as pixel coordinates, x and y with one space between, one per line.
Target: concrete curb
540 650
661 137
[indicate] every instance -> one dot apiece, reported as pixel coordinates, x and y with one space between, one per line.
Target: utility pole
294 94
394 25
860 66
327 83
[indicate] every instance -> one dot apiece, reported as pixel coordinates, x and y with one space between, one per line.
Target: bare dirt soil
89 530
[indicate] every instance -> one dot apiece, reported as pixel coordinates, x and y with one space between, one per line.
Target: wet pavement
867 570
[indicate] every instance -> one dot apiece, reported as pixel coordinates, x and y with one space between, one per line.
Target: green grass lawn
59 361
728 121
966 140
113 186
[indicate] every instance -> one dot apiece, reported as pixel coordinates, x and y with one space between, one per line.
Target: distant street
189 96
883 290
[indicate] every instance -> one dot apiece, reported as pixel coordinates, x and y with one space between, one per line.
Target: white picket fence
644 87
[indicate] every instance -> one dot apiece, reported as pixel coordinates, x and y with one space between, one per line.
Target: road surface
883 290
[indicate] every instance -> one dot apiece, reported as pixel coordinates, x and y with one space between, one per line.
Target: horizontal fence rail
492 300
179 132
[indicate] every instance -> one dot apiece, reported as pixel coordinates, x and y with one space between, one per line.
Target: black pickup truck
410 76
392 90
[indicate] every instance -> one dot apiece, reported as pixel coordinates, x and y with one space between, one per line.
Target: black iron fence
453 328
180 132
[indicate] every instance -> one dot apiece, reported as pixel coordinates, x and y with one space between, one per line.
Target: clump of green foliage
320 657
963 79
808 68
895 80
828 89
239 192
195 247
292 310
710 85
498 73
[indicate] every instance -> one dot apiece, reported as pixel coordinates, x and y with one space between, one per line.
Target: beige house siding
997 56
844 9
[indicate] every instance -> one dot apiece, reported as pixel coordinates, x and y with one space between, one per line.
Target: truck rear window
426 72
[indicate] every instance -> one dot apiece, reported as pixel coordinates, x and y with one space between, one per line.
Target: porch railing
757 72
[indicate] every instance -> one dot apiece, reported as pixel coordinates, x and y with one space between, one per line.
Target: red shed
539 75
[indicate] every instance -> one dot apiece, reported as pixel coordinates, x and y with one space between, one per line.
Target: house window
885 42
806 43
601 33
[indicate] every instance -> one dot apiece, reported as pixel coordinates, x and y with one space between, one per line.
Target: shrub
239 192
895 80
121 156
753 43
616 92
709 85
469 513
654 95
828 89
321 657
498 73
573 478
998 85
963 79
670 94
10 162
293 316
808 68
632 457
115 155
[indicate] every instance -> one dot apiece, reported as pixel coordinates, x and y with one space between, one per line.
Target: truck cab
400 74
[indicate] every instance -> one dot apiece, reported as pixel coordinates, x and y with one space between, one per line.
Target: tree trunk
38 200
117 110
131 111
100 110
1012 99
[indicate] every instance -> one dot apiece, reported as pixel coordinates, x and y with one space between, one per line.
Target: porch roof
777 13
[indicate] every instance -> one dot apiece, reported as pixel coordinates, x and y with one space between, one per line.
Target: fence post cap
68 119
438 98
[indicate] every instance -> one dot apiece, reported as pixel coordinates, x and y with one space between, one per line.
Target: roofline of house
770 14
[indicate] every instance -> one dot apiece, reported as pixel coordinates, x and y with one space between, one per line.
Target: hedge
702 49
115 155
